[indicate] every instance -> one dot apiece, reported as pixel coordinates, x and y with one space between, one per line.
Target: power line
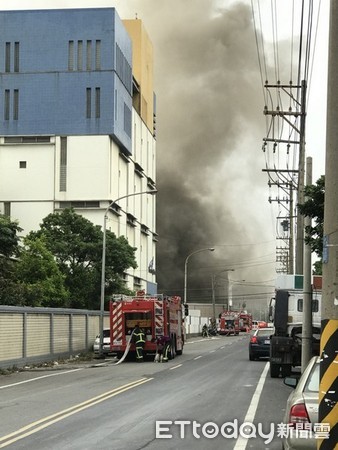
284 108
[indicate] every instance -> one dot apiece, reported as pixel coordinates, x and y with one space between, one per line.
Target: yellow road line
50 420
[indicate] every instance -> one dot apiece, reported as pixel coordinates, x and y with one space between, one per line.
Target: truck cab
286 313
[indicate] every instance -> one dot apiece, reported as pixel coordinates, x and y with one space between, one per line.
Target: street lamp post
213 280
210 249
103 269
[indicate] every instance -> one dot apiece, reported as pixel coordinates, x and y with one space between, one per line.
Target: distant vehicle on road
228 323
259 324
106 342
286 313
302 408
245 321
259 345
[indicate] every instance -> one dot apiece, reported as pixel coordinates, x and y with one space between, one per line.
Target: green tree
77 246
314 207
10 292
39 275
9 239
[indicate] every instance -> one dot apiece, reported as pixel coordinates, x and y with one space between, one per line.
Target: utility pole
307 288
328 406
300 190
294 119
213 296
291 243
285 255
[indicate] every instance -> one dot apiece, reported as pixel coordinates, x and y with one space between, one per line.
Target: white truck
286 313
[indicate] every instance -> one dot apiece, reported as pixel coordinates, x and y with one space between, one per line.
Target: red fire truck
158 315
245 321
228 323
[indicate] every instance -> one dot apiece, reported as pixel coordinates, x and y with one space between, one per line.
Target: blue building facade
65 72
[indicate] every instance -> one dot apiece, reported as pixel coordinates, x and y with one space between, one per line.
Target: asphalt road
198 400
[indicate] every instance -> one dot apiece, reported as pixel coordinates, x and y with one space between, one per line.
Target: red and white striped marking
159 317
116 323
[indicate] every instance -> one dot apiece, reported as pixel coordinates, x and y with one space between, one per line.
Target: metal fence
33 335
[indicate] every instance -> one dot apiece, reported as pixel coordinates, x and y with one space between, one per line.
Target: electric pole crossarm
278 200
278 112
284 181
282 86
280 170
280 141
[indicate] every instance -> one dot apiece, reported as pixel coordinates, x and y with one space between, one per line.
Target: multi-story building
77 111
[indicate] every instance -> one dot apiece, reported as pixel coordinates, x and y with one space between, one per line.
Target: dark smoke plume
212 192
210 126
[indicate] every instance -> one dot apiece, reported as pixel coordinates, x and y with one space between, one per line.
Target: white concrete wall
25 184
194 322
96 171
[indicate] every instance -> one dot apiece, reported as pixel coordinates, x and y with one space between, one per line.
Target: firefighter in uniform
139 339
163 346
205 332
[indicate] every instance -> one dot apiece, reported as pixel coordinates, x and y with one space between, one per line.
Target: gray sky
212 191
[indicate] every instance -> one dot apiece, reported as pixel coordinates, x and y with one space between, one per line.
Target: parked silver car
106 342
301 413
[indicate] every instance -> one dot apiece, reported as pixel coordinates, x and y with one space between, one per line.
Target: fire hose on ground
126 350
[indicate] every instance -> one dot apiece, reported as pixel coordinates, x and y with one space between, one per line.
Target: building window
98 55
131 220
79 55
97 103
123 69
315 305
138 170
115 104
137 281
63 164
8 57
16 56
23 164
78 204
144 229
151 183
7 209
127 120
89 55
6 104
115 209
16 104
26 139
71 55
88 103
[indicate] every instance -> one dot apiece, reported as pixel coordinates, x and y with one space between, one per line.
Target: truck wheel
274 370
286 370
172 352
172 349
